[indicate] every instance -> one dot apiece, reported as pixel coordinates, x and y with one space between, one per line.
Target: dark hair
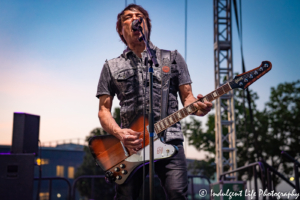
133 7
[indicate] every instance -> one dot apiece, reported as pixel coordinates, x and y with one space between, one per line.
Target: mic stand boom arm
152 61
149 50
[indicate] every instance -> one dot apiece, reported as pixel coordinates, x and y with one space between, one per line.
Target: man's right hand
131 140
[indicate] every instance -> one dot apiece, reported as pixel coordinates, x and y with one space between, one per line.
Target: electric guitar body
112 156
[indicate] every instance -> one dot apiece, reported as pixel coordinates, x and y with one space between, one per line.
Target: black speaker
16 176
25 133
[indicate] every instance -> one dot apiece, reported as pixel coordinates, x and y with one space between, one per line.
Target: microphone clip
136 24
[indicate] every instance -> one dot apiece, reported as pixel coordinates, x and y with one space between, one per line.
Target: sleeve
105 84
183 72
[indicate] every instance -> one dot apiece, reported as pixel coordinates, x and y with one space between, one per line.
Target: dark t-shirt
125 77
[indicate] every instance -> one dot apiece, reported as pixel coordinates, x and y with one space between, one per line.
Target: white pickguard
161 150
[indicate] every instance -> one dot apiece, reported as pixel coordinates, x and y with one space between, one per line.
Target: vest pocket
125 74
126 80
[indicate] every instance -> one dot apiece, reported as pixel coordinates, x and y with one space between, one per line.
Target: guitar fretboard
184 112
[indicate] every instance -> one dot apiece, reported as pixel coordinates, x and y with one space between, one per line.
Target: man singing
125 76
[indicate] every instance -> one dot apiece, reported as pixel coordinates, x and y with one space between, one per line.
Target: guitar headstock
244 80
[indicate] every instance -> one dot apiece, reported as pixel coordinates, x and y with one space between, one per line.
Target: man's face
129 35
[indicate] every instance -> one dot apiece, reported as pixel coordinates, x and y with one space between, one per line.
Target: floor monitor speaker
16 176
25 133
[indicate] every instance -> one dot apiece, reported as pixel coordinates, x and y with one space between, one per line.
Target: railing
81 177
50 184
253 166
270 181
265 175
296 169
78 141
102 176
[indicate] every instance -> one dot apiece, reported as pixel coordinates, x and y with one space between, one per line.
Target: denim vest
128 73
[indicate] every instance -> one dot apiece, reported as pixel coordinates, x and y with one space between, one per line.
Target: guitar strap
165 81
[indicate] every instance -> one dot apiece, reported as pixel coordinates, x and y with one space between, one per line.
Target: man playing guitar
125 76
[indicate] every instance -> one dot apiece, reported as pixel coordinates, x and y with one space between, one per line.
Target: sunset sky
52 53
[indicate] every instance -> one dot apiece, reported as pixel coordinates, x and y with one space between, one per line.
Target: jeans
172 173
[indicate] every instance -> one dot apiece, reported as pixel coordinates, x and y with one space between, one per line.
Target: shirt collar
128 50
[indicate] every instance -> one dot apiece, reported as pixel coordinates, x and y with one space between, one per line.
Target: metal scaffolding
223 72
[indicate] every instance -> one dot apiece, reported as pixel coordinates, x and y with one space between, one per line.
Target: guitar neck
184 112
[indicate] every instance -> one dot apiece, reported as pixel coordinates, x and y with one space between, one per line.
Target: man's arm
129 137
187 97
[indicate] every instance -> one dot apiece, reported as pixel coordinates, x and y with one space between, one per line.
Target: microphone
136 23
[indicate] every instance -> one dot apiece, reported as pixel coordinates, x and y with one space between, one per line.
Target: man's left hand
203 108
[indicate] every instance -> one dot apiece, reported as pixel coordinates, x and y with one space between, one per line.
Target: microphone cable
144 114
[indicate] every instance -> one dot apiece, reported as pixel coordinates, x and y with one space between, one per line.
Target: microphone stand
152 61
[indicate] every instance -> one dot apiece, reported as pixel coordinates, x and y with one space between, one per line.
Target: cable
144 127
144 114
239 27
185 58
185 39
125 46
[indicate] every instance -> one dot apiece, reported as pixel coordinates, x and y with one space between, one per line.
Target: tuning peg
261 69
266 65
245 80
255 72
251 76
241 83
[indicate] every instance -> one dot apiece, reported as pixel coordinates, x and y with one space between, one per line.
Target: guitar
112 156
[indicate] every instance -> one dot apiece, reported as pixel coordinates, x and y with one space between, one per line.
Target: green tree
201 140
283 111
276 128
205 140
102 189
